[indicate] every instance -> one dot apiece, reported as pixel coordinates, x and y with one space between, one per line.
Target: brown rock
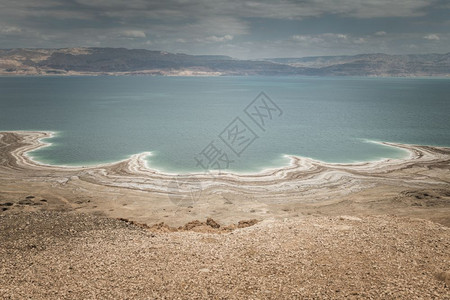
444 276
160 227
192 224
210 222
247 223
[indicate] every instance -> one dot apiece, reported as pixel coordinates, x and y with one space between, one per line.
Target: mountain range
121 61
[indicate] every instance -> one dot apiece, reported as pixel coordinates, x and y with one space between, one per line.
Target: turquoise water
104 119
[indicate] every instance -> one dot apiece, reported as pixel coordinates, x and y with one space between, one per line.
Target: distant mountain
125 61
116 61
373 64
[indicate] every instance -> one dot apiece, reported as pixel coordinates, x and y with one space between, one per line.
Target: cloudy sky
241 29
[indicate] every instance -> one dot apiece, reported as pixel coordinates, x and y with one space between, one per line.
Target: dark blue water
103 119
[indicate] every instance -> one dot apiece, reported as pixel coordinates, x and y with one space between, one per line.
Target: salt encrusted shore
130 189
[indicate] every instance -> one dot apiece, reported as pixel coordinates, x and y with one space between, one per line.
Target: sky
240 29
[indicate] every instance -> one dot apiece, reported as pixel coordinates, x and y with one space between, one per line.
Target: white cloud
224 38
307 38
10 29
432 37
341 36
134 33
318 38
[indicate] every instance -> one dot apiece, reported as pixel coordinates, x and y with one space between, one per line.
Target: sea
240 124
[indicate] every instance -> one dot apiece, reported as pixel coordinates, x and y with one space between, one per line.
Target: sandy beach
363 230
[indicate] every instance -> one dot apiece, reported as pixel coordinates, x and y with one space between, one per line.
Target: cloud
184 10
341 36
224 38
134 34
319 38
359 40
432 37
239 28
218 26
306 38
10 30
353 8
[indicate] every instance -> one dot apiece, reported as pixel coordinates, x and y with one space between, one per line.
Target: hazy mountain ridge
378 64
73 61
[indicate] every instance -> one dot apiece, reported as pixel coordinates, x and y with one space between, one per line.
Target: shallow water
103 119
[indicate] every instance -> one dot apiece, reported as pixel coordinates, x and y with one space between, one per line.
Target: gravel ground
57 255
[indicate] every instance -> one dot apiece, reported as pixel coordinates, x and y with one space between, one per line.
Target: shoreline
212 74
130 189
39 143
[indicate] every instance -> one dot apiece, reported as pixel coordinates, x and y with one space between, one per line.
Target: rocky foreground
61 255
